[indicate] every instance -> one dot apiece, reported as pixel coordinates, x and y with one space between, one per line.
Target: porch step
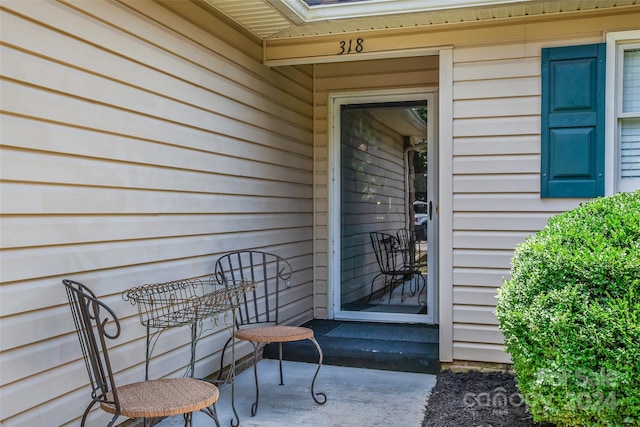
385 346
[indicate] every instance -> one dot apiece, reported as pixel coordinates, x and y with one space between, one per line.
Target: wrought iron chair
95 323
414 259
257 318
395 261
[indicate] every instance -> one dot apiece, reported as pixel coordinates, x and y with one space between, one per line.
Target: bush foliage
570 314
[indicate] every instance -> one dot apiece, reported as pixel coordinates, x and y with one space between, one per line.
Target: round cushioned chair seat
277 333
163 397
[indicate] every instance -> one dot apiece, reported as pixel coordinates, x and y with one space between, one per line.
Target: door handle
430 210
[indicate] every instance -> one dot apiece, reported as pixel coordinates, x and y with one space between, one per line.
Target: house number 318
348 46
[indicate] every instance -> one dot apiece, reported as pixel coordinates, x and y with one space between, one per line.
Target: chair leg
188 419
424 288
413 281
86 412
280 362
313 382
372 283
214 416
392 288
254 406
229 379
224 349
319 397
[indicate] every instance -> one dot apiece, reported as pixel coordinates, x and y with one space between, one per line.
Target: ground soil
476 399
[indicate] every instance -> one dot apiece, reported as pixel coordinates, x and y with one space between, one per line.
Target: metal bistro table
188 302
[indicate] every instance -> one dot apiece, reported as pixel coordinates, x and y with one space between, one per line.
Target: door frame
336 99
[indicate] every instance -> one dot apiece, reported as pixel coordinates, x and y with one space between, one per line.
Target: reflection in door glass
383 207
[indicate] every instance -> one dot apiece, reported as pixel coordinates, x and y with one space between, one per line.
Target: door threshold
357 316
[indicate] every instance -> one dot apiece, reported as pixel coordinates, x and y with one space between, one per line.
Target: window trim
615 42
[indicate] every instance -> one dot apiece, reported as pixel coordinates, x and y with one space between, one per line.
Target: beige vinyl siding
496 181
345 77
137 146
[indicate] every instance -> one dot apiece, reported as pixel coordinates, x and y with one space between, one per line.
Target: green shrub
570 314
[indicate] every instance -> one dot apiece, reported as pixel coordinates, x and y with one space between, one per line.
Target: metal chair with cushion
257 318
95 323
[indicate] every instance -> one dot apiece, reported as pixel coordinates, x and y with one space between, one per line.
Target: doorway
383 188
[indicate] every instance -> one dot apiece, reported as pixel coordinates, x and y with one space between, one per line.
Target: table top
185 301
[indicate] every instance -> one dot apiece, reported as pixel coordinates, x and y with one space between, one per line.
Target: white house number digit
348 46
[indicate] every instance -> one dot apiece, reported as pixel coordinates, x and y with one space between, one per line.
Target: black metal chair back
416 255
94 323
388 252
269 272
407 243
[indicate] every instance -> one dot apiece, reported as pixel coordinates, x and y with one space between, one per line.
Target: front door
383 195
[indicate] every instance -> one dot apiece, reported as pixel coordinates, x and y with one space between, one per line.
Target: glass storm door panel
383 188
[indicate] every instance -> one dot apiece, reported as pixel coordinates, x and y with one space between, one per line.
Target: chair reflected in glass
415 258
95 323
396 258
257 318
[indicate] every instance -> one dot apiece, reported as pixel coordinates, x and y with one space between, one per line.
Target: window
623 118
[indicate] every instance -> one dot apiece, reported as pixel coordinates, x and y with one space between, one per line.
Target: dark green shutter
573 102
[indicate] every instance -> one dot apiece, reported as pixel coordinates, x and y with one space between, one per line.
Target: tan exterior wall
138 143
496 170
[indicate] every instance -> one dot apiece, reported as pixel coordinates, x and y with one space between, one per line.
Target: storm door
384 208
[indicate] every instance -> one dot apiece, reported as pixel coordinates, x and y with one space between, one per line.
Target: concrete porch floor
356 397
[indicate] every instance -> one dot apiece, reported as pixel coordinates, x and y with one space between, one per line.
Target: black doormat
377 331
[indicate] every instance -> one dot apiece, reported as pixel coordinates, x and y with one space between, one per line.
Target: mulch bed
476 399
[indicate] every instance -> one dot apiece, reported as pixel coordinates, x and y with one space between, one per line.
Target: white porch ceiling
286 19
